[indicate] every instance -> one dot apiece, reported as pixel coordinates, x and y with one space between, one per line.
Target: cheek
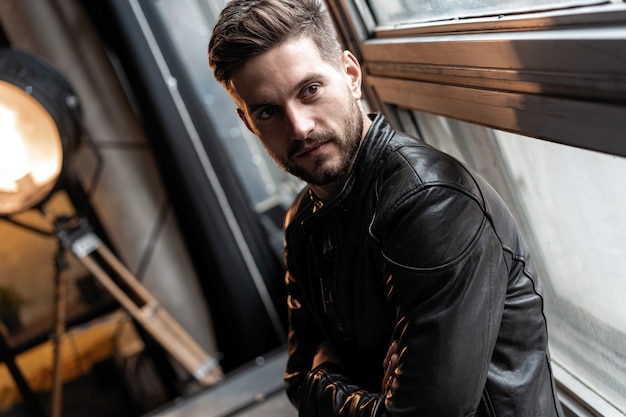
341 105
273 143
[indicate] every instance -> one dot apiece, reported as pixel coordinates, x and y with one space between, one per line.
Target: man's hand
324 354
390 364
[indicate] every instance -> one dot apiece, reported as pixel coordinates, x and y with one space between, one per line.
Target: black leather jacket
416 248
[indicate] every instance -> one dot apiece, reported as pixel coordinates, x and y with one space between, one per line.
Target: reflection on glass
406 11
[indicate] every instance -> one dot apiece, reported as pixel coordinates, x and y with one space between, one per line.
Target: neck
326 193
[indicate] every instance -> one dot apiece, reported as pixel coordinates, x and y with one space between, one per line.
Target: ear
352 69
244 119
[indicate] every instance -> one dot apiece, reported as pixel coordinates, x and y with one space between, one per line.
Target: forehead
279 71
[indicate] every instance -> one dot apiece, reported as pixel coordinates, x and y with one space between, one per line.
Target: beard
347 141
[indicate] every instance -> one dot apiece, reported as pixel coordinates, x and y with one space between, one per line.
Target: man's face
304 110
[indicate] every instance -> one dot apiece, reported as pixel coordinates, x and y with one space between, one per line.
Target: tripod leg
59 330
151 315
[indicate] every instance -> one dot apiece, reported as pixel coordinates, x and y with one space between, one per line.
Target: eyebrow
254 107
309 77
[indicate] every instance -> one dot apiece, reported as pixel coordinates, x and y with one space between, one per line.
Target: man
410 290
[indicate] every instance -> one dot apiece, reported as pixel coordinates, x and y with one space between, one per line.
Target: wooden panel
589 125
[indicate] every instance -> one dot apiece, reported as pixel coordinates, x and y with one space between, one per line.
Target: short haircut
248 28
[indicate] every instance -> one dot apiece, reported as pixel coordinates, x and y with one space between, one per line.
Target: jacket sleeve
323 391
446 278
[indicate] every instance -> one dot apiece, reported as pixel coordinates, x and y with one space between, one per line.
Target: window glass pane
575 202
571 204
405 11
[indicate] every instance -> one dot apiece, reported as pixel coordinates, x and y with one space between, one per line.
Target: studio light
39 129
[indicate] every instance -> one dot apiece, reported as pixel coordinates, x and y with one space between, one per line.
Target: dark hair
248 28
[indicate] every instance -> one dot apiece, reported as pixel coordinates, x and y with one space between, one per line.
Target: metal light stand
77 236
60 302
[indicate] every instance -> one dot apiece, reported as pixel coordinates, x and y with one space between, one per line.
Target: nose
300 121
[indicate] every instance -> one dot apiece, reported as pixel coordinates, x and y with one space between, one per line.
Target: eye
310 90
266 113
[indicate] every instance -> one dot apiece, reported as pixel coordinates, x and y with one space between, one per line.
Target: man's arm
316 383
446 281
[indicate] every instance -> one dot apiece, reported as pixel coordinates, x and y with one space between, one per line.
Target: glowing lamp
39 127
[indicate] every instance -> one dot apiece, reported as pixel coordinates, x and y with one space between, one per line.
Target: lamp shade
40 126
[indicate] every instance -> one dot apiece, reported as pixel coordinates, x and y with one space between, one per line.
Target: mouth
311 150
